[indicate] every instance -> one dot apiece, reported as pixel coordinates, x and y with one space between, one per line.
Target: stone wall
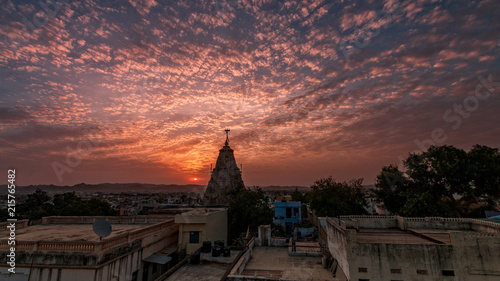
377 261
337 245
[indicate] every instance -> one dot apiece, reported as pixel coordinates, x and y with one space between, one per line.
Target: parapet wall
337 243
110 219
403 223
19 224
242 262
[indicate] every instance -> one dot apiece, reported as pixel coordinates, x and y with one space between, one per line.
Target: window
448 273
422 271
362 269
288 213
155 267
396 270
194 237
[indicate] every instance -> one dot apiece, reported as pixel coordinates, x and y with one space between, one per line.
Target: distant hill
284 188
109 188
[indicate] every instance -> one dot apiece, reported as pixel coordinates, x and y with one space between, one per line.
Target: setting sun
195 179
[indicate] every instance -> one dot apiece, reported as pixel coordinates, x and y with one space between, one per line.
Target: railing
30 246
366 217
424 219
110 219
66 247
19 224
305 250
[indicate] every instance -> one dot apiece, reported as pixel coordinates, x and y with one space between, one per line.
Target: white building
395 248
67 249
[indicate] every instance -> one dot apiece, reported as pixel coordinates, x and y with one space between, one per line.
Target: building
201 225
288 214
396 248
66 248
225 177
284 198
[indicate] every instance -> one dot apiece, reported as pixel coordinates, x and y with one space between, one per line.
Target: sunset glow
141 91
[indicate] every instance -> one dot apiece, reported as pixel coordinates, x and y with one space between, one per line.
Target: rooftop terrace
68 232
275 263
210 268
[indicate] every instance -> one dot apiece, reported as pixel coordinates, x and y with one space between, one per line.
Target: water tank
219 243
207 246
216 251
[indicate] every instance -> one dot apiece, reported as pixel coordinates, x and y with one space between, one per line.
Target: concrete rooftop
210 268
68 232
275 263
203 272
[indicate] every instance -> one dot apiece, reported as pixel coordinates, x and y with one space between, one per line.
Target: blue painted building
287 214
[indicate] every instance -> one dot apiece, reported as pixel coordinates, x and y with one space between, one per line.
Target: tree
330 198
247 208
40 204
298 196
443 181
35 206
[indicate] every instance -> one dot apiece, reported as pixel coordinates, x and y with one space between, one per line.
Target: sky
142 90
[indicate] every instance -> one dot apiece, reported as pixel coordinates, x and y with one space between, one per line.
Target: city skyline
142 90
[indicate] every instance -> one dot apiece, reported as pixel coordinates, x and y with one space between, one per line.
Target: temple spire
227 137
226 176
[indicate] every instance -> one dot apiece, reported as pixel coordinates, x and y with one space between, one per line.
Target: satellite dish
102 228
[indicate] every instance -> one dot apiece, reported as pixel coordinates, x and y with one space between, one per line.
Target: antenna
227 136
241 168
211 170
102 228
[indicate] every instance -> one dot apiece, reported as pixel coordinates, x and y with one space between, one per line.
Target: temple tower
226 176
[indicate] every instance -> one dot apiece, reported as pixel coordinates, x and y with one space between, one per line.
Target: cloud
10 115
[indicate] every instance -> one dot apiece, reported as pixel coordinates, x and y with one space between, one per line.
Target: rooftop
203 211
274 262
200 215
209 269
67 232
202 272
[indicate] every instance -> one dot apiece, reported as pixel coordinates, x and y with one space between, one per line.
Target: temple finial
227 137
